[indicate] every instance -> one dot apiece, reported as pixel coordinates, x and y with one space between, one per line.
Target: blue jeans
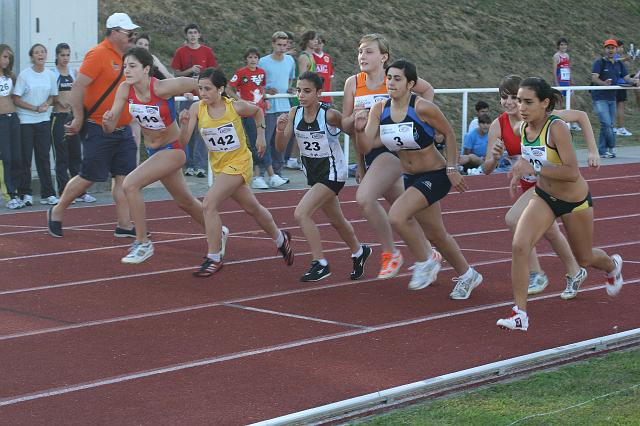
197 153
606 111
250 129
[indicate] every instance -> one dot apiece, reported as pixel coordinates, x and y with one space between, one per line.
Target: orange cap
610 42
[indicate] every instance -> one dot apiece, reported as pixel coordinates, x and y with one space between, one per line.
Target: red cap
610 42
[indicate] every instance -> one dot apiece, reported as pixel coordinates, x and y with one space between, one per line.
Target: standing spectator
248 84
159 71
481 108
34 94
280 69
605 72
474 147
621 95
562 69
9 129
324 67
67 150
188 61
103 154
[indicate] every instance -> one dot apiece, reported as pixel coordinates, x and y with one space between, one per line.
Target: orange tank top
365 97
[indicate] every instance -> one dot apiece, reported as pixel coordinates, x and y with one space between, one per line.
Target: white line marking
269 349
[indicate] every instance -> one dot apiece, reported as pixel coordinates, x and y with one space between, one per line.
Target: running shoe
200 173
292 163
573 284
285 249
425 273
223 241
189 172
14 204
317 272
138 253
538 281
391 264
358 262
463 288
27 200
517 321
51 200
208 268
54 227
86 198
614 279
126 233
276 181
623 132
258 182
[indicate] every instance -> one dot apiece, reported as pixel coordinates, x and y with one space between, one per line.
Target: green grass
601 391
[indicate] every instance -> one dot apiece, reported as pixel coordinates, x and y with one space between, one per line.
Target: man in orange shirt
104 154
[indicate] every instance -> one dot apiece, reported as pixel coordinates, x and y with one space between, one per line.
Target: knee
209 206
396 219
511 220
363 200
299 215
520 248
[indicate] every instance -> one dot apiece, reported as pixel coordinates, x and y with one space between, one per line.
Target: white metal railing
465 104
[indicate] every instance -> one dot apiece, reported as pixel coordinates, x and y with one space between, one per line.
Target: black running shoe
358 262
316 272
285 249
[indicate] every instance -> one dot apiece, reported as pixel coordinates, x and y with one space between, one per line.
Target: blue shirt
476 143
278 74
605 70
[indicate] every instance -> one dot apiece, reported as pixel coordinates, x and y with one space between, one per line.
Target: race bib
147 115
314 144
398 136
535 155
367 101
6 84
221 139
565 74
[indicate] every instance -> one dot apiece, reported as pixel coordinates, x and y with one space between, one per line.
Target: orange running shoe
391 264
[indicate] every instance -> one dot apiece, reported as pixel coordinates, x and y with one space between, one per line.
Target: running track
87 340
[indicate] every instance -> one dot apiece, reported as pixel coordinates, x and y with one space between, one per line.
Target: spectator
280 69
308 45
68 150
103 155
605 72
159 71
34 94
481 108
621 95
324 68
188 61
562 70
474 147
291 44
9 129
248 84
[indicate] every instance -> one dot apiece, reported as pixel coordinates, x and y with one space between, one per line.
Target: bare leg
260 214
333 211
579 227
312 200
401 217
177 187
224 187
75 188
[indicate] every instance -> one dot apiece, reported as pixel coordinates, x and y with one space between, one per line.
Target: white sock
359 252
280 239
214 256
467 274
323 261
519 311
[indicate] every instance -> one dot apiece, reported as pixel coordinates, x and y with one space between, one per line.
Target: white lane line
237 300
269 349
289 315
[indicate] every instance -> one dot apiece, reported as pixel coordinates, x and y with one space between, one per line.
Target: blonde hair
381 41
279 35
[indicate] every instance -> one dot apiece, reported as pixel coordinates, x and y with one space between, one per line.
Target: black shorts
560 207
621 95
434 185
373 154
104 154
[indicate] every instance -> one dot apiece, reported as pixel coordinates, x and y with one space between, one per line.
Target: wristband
452 169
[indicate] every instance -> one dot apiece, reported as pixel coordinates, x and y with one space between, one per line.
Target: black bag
87 114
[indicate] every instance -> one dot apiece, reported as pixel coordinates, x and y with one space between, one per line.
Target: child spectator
481 108
324 67
474 147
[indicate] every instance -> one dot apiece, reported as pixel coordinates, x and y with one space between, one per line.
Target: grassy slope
457 43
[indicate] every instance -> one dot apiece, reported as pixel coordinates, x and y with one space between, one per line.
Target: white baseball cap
121 20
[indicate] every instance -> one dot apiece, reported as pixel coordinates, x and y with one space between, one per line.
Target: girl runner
561 191
219 122
316 131
407 124
502 137
383 173
150 102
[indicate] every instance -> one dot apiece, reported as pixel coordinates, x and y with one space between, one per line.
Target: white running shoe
86 198
139 252
293 163
276 181
517 321
51 200
623 132
425 273
225 235
258 182
14 204
463 288
538 281
614 279
573 284
27 200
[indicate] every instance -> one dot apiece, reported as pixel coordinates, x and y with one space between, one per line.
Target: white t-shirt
35 88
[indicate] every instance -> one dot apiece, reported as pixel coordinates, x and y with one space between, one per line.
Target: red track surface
87 340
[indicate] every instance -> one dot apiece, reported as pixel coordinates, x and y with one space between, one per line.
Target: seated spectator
481 108
474 147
